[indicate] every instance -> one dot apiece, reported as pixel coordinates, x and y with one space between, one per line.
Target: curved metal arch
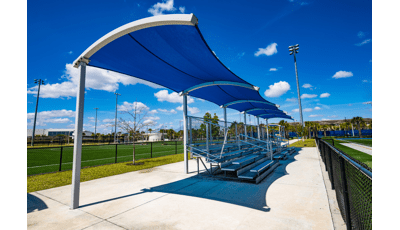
276 116
213 83
244 101
254 109
171 19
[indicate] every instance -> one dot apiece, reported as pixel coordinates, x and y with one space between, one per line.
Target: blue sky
251 38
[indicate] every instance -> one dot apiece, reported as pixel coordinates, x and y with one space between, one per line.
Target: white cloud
126 106
307 110
367 102
361 34
324 95
160 7
366 41
98 79
277 89
182 9
269 50
108 120
333 116
293 99
295 110
308 96
152 111
172 111
153 118
342 74
52 116
316 115
70 52
90 118
173 97
192 110
273 69
317 108
307 86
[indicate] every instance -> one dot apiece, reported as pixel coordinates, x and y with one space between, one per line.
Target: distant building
55 132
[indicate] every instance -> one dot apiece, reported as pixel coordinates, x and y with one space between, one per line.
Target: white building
55 132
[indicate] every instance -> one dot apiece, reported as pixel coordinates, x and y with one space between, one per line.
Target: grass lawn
367 142
57 179
306 143
363 157
44 160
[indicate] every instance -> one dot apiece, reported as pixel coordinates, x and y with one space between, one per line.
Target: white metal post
76 166
207 144
185 134
190 136
225 124
245 128
258 128
352 129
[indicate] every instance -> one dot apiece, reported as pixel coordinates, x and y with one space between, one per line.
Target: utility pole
294 50
40 82
116 103
95 123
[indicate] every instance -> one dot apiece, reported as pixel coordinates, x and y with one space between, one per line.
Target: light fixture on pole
116 103
294 50
40 82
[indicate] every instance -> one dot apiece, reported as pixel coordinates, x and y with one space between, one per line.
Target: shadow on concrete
35 203
233 192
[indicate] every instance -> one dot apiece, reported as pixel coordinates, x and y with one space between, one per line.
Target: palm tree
308 124
358 121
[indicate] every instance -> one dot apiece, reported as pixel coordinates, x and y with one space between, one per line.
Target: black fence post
333 142
151 149
345 193
176 147
331 168
116 152
60 158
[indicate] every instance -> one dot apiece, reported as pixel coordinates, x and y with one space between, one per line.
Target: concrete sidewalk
293 197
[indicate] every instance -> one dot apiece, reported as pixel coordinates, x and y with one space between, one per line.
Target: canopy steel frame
244 101
214 83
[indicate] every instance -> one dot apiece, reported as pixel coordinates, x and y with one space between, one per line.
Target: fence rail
52 159
352 181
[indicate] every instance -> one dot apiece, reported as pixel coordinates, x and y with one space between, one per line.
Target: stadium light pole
95 123
116 103
294 50
40 82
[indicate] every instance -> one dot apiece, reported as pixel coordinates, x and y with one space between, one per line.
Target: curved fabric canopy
169 50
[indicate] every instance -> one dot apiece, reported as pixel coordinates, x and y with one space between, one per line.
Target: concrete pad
104 225
293 197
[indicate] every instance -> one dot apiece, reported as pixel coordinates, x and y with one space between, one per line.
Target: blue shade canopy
169 50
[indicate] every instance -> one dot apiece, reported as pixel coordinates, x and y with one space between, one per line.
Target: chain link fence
53 159
352 181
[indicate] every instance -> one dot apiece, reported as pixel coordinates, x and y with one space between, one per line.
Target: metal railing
352 181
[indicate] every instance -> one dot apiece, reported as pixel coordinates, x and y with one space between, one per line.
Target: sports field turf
43 160
363 157
367 142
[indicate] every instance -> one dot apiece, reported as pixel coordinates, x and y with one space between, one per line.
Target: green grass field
306 143
367 142
363 157
44 160
57 179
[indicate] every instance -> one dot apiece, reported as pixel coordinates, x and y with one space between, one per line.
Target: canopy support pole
245 128
76 167
258 128
185 134
225 124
